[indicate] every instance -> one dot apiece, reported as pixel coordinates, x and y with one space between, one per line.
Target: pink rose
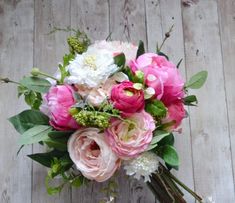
126 98
176 113
160 74
129 139
92 155
56 105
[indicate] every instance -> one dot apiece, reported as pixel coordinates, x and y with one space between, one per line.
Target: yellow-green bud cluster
76 45
92 118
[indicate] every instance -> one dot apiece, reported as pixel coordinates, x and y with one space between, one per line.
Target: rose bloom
56 105
160 74
126 98
129 139
92 155
176 113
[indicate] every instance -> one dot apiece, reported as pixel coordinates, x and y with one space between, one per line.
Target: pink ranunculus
126 98
176 113
56 105
92 155
129 139
160 74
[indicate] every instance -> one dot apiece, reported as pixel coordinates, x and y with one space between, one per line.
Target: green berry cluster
76 46
92 118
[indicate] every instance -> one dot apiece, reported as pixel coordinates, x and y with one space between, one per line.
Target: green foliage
197 80
190 100
158 135
120 60
168 140
28 119
169 155
156 108
64 72
58 140
141 49
36 84
35 134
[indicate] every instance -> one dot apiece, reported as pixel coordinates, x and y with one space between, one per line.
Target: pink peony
160 74
95 96
56 105
176 113
126 98
129 139
92 155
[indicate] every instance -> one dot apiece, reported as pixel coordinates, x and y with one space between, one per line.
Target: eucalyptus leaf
28 119
197 80
156 108
190 99
120 60
34 135
36 84
168 140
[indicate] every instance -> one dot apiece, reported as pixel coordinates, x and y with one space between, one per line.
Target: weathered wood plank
210 136
171 15
48 51
227 30
16 59
128 23
91 17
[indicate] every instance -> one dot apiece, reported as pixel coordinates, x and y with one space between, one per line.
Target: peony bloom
56 105
91 68
129 139
92 155
142 166
117 47
126 98
176 113
160 74
95 96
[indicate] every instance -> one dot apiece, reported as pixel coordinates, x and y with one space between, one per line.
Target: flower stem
7 80
167 35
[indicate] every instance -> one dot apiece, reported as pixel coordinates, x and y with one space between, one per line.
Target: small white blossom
142 166
92 67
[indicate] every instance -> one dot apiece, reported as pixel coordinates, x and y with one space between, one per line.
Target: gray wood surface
204 36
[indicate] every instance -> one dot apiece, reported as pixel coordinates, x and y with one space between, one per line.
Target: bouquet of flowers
109 105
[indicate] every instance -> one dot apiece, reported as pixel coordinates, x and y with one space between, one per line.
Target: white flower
92 67
117 47
144 165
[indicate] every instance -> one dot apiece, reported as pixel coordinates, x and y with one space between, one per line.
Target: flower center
90 61
128 93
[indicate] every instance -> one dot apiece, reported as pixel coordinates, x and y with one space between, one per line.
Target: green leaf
46 159
189 100
36 84
158 136
169 155
162 54
197 80
34 135
57 143
141 49
156 108
120 60
28 119
78 181
60 134
168 140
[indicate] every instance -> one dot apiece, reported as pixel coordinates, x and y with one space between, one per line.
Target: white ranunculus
92 67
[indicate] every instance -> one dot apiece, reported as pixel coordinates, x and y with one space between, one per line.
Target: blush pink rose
160 74
129 139
56 105
92 155
126 98
176 113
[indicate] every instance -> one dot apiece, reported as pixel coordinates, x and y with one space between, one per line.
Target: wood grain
209 126
16 59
